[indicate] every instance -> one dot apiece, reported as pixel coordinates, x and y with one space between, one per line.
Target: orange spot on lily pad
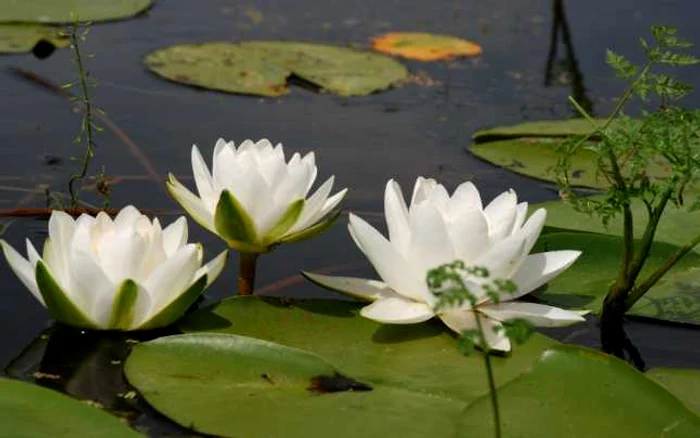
424 46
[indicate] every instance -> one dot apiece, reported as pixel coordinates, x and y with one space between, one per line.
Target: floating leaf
681 382
67 11
263 67
34 412
677 225
420 384
576 392
19 38
675 298
424 46
233 386
530 149
542 128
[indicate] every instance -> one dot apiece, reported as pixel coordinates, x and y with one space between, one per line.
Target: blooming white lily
438 229
121 274
253 199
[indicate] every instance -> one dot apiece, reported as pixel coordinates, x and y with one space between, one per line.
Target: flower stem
246 273
489 373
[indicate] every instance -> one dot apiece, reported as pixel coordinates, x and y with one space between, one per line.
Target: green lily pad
682 382
30 411
675 298
229 385
263 67
577 392
677 226
416 357
20 38
67 11
542 128
530 149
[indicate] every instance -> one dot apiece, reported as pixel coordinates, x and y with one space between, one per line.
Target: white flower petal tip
396 310
122 274
360 288
437 228
254 199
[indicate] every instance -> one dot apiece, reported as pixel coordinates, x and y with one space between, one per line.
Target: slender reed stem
88 124
246 273
489 373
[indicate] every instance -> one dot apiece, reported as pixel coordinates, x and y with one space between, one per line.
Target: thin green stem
648 237
489 374
655 276
87 125
246 273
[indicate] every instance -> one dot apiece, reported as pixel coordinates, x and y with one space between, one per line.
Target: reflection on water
565 71
89 366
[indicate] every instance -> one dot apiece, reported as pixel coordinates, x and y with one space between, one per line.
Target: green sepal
177 308
170 185
313 230
288 219
235 226
123 306
58 303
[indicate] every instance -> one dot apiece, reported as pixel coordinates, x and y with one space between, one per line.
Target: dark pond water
400 133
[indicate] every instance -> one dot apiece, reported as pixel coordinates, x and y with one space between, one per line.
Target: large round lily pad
67 11
424 46
263 67
227 384
18 38
30 411
675 298
684 383
576 392
541 128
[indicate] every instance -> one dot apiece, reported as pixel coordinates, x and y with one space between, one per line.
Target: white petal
390 265
503 258
121 255
538 269
501 213
536 314
312 206
206 187
462 320
22 269
422 190
175 236
224 164
430 243
532 229
470 235
330 204
362 288
172 278
397 311
192 204
465 197
127 216
32 254
213 268
396 213
91 289
61 228
521 213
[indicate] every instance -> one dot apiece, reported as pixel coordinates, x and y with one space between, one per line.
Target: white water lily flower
254 199
437 229
121 274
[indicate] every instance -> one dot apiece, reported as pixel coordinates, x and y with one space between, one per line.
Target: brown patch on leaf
336 383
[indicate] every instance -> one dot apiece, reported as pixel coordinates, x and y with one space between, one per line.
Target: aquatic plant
121 274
